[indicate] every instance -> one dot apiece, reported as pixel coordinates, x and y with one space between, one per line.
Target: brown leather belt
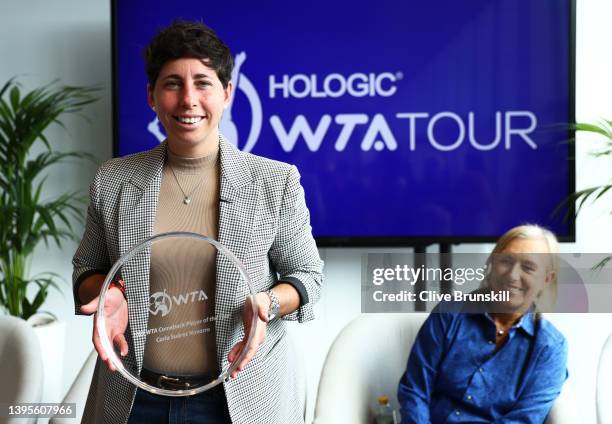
169 382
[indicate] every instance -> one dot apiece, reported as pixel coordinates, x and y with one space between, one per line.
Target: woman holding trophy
173 335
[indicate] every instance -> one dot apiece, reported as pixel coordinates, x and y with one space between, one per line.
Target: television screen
409 121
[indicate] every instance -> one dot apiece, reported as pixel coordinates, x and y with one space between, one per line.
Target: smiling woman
524 262
503 364
196 181
189 99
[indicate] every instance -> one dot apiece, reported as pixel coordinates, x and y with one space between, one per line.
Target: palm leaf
28 219
581 197
601 264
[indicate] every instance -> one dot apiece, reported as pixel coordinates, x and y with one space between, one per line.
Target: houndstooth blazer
263 220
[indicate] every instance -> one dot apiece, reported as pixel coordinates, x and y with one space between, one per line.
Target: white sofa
20 365
369 355
604 384
77 393
367 360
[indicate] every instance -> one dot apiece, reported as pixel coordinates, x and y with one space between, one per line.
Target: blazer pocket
277 337
263 236
264 227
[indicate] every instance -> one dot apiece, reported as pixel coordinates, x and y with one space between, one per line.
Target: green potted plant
595 193
603 128
27 215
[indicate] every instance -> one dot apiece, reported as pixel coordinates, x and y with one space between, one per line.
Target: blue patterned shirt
454 374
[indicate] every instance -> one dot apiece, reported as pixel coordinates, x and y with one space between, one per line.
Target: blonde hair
548 297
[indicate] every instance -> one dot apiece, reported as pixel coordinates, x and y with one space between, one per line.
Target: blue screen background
477 56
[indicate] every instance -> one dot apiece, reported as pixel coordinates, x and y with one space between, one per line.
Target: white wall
70 39
67 39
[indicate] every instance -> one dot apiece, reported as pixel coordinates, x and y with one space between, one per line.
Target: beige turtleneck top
183 270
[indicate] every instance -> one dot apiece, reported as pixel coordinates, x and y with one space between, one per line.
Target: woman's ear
487 274
228 94
150 96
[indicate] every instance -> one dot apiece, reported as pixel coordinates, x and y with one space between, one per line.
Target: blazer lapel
137 208
238 199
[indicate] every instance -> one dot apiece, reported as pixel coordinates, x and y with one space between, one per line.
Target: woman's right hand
116 315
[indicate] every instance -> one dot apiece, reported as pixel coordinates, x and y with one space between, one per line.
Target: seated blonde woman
504 364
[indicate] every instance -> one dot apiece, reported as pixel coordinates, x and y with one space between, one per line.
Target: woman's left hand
262 305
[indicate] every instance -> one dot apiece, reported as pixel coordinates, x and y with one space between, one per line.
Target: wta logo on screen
378 135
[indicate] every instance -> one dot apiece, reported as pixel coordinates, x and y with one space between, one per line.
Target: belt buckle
173 382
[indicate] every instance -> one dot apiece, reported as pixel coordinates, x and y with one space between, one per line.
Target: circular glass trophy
174 312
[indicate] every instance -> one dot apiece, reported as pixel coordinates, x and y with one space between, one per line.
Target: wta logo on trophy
162 302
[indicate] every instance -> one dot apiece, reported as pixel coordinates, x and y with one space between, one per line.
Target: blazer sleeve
294 253
91 256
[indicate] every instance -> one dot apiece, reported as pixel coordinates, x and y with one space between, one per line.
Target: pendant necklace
186 197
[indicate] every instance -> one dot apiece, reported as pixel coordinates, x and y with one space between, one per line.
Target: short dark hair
184 39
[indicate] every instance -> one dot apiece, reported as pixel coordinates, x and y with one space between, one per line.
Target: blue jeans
209 407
